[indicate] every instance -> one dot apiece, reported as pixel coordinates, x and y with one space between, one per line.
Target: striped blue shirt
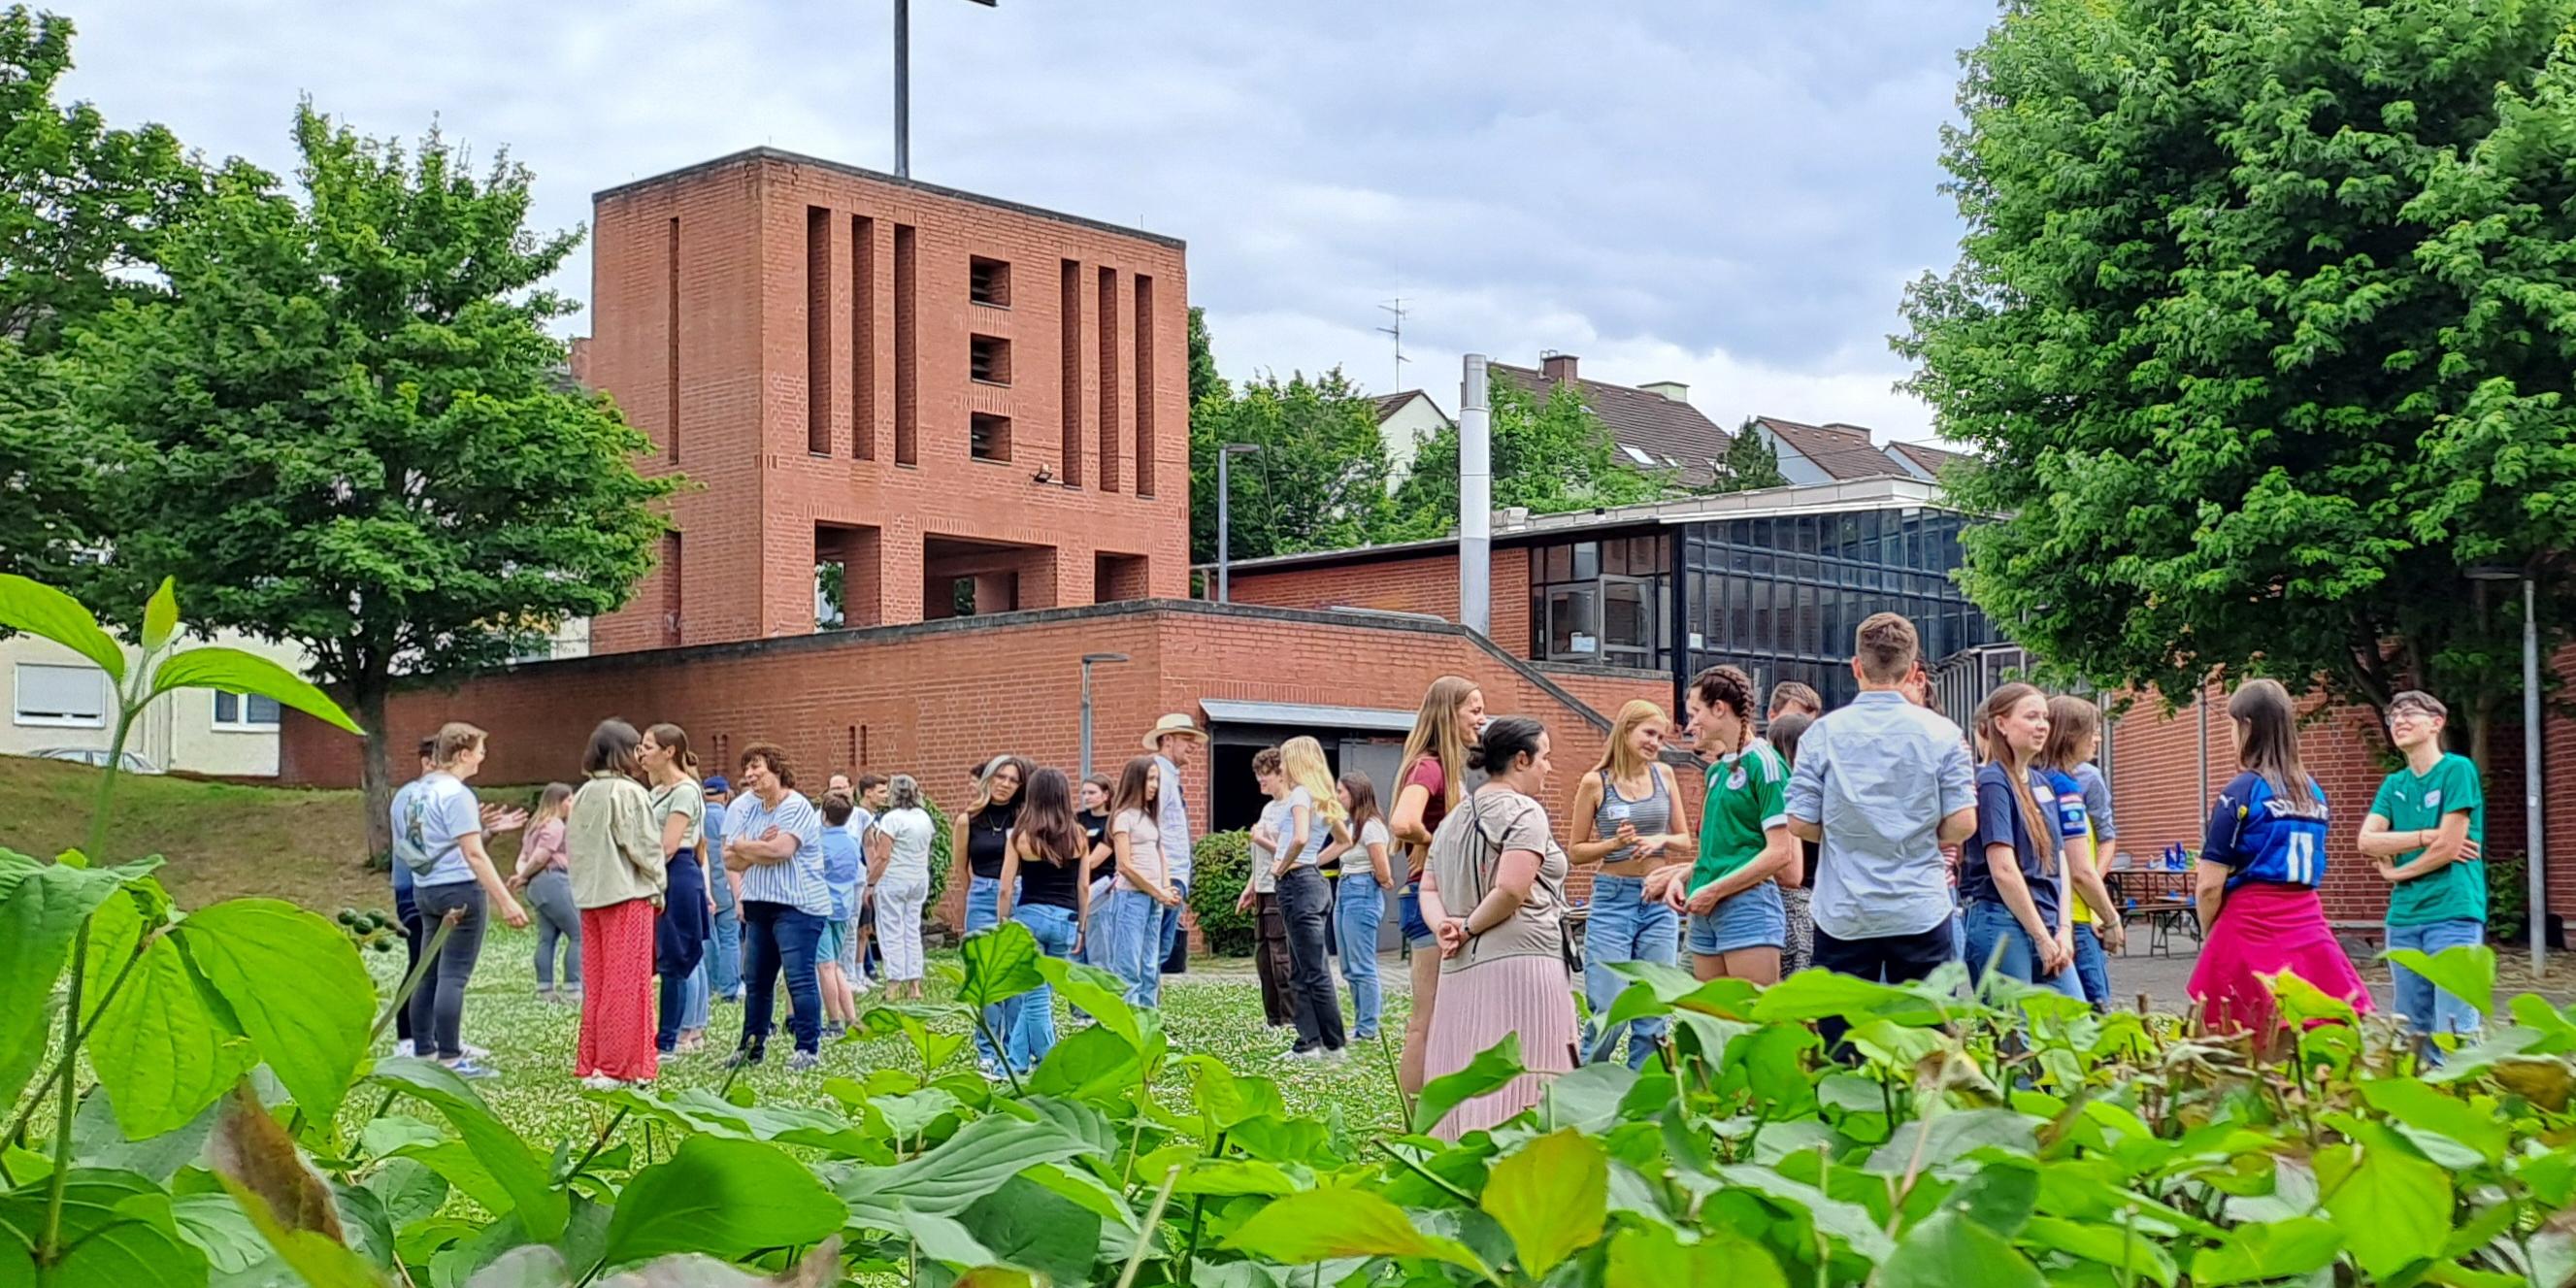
797 882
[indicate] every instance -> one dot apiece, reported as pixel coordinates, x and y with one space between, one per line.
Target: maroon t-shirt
1426 774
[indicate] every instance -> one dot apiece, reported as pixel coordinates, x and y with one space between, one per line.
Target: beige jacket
616 851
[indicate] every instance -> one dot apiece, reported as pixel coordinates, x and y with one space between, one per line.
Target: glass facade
1778 596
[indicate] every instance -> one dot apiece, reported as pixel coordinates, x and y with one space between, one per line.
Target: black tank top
1052 884
987 834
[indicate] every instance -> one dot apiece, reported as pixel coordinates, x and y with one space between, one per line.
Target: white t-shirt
1319 829
909 831
1275 817
1355 860
438 816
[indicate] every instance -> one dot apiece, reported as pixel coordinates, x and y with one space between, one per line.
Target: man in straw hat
1175 741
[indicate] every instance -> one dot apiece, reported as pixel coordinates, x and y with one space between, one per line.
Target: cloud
1729 193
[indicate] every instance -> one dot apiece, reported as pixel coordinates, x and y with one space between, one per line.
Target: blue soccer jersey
2250 832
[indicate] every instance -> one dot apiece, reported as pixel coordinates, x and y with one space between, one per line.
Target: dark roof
1931 458
1841 451
877 176
1390 404
1661 427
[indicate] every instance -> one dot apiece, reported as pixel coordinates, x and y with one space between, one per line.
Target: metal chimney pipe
1475 501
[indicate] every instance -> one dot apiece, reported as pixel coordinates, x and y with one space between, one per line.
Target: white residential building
59 699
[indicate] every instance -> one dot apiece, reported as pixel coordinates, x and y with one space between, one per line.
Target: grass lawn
1215 1010
222 841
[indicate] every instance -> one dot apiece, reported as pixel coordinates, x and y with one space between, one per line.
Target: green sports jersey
1747 796
2418 802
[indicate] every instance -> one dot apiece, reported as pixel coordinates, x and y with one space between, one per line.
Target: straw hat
1175 723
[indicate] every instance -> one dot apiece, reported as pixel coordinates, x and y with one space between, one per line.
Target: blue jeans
777 938
1359 908
2092 966
1168 936
1408 909
724 961
1989 924
983 912
1028 1021
1135 928
1624 927
2427 1009
694 997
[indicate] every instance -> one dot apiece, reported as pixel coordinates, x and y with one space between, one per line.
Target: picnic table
2159 899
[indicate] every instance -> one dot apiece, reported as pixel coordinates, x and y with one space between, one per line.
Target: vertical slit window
907 392
818 331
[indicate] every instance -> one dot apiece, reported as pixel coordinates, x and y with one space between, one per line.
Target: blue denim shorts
1408 908
1754 919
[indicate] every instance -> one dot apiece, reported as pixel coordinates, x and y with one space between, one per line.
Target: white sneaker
402 1047
602 1082
473 1052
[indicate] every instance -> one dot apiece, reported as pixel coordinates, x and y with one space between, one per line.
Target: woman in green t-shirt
1737 921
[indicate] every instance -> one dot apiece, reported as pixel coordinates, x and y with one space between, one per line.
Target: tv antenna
1396 330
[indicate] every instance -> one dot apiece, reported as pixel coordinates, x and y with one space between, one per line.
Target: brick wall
747 316
1425 584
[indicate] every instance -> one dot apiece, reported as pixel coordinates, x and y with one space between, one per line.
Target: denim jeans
694 997
557 921
438 1005
1990 924
983 912
2427 1009
1028 1021
1305 904
2092 966
724 957
777 938
1624 927
1135 928
1168 937
1359 908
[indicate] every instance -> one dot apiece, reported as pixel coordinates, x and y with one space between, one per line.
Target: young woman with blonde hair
1430 780
2010 872
439 831
1316 818
1627 818
687 922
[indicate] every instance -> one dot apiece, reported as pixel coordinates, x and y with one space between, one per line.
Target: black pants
1888 959
438 1008
415 933
1306 903
1270 962
679 942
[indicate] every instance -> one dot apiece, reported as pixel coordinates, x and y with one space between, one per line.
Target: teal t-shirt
1747 796
2418 802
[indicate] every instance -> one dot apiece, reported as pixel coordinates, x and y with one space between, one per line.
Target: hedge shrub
1218 864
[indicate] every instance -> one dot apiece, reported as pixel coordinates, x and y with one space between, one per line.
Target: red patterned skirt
617 993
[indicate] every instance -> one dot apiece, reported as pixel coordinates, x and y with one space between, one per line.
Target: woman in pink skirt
2261 860
1496 900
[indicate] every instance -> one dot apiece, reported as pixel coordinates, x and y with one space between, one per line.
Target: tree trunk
375 773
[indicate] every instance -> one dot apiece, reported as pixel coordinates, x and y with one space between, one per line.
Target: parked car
97 758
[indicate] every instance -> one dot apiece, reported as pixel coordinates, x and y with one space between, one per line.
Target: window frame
17 698
243 721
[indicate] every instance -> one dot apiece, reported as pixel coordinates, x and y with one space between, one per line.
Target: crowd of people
1878 840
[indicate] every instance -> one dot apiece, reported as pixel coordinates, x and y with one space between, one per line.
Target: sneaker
992 1073
1369 1036
602 1082
803 1061
473 1052
403 1048
472 1069
744 1056
567 997
1305 1055
1335 1056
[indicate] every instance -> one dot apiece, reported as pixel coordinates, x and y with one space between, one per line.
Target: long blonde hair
1436 734
1302 760
554 802
1619 759
1990 737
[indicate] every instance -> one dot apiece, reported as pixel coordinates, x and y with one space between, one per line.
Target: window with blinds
70 696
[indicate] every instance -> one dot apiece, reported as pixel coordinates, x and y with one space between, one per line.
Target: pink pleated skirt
1531 996
2265 929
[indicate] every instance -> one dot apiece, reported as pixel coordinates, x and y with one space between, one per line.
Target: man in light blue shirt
1882 785
1175 740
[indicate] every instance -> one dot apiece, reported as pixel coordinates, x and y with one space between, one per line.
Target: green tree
82 207
1550 454
345 427
1205 383
1319 481
1751 462
2264 328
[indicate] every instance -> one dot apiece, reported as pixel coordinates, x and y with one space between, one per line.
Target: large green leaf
2123 1249
1228 1099
1089 1064
42 906
1952 1136
118 1226
1819 994
1027 1225
1588 1099
166 1045
311 1035
522 1175
1652 1257
1103 997
1950 1251
975 1162
39 609
2266 1250
320 1261
221 1230
1552 1197
728 1198
2393 1206
1319 1225
235 671
2425 1108
2465 971
1488 1072
1001 963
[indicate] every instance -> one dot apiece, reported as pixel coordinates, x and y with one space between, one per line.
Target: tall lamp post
2532 865
1225 518
903 85
1090 660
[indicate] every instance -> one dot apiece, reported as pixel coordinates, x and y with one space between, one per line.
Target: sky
1728 193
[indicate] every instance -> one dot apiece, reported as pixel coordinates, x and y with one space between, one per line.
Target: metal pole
1475 500
903 89
1224 525
2534 866
1086 718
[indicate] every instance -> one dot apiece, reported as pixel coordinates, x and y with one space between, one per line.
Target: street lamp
903 85
2532 866
1225 517
1090 660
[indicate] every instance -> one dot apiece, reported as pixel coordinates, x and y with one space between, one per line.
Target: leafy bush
2508 897
1218 864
